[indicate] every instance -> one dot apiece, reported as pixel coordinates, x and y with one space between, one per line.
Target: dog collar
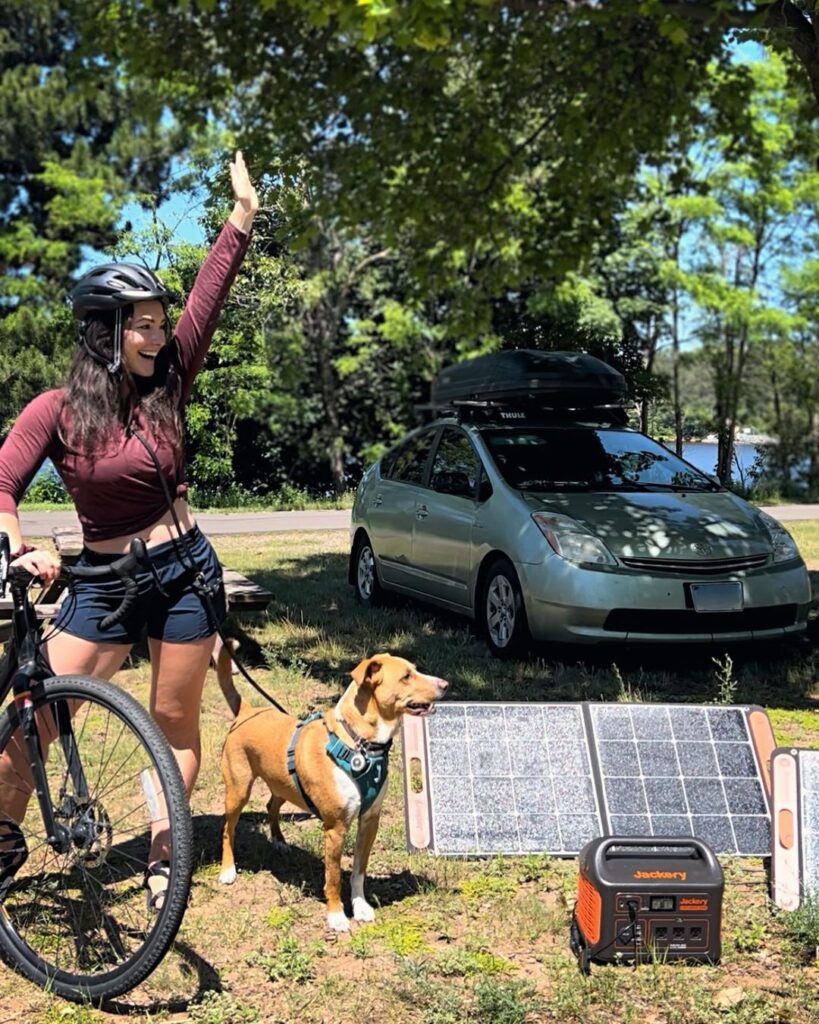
366 746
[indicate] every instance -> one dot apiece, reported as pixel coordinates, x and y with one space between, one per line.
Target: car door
392 507
446 519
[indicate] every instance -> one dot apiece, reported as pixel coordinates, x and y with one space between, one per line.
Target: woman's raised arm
195 328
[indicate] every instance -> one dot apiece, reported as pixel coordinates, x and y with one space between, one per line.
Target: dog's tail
224 673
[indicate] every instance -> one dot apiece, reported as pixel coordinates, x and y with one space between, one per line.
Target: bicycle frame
23 673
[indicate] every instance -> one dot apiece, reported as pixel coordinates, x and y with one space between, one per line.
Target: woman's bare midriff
160 532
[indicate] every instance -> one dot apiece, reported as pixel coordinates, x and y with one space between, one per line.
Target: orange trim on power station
588 910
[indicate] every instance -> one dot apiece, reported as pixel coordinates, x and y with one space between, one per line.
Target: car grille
636 620
698 567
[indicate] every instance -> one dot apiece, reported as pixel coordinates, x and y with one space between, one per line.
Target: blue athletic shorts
179 615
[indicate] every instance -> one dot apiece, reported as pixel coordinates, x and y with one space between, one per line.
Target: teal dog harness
366 764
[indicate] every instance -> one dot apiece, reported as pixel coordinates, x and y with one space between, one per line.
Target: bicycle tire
95 890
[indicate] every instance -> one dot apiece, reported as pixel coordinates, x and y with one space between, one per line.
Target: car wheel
368 589
502 613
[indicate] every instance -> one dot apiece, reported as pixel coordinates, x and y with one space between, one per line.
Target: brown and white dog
382 689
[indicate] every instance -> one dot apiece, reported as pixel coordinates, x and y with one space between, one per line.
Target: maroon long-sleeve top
117 492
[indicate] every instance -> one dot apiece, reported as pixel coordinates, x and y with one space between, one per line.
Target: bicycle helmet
113 285
110 287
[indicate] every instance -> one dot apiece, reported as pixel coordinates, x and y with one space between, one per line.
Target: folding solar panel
685 770
499 778
795 827
517 778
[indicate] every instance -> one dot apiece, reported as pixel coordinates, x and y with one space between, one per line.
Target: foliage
73 146
802 924
480 139
438 180
47 489
221 1008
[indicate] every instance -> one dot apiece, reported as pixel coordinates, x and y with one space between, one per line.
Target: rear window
583 459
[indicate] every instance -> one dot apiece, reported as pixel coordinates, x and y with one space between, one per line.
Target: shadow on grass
207 980
295 866
327 633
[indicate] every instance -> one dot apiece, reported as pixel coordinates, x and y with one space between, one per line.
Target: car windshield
585 459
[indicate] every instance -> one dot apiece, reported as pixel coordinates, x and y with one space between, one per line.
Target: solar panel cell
697 759
716 831
727 724
709 793
665 796
753 835
630 825
743 798
736 759
671 825
659 759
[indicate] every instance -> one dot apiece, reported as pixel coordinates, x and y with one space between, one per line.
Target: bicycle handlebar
123 568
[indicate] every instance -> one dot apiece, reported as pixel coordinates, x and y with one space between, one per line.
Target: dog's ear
368 672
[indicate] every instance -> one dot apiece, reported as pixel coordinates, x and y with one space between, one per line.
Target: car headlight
784 546
572 541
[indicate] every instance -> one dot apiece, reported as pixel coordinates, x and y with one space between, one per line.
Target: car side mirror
485 489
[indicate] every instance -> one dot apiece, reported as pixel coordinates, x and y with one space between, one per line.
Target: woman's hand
39 563
247 202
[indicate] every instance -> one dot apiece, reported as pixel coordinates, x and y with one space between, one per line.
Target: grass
474 941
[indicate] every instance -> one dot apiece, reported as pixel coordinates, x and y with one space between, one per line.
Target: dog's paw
228 876
362 911
338 922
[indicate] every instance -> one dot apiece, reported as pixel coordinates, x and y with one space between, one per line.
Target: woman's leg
67 655
177 678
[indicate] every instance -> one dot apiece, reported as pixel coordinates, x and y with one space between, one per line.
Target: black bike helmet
111 286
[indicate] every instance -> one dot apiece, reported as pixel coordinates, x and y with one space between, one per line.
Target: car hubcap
366 572
500 611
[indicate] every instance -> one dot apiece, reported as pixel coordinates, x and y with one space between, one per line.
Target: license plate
716 597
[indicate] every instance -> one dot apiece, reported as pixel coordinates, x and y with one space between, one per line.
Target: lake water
703 455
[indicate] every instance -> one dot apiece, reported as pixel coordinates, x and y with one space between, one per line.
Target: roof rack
529 412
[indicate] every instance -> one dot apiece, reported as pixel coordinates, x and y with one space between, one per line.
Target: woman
110 431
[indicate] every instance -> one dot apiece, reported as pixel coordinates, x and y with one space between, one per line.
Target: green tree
73 149
757 185
491 142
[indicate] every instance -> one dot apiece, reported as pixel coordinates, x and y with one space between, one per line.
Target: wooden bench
243 595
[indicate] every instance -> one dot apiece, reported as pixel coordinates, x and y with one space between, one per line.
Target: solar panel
500 778
518 778
681 770
795 826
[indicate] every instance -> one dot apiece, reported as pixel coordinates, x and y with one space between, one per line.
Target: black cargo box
526 376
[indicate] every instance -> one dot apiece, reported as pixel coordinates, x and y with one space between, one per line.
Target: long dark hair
98 404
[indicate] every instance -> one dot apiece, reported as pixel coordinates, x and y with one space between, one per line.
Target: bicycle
74 917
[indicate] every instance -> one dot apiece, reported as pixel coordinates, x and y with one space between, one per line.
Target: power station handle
668 847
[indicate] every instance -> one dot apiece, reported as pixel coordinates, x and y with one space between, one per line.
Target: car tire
502 613
368 590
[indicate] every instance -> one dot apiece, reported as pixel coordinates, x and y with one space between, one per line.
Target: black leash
182 546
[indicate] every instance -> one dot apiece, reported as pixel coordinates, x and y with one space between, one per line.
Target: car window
411 458
559 459
456 468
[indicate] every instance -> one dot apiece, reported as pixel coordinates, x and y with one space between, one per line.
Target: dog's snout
442 684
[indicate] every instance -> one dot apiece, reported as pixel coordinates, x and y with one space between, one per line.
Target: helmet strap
116 363
115 366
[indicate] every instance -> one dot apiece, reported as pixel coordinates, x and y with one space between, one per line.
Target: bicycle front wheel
76 919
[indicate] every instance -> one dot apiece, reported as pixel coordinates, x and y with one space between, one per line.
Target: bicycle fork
58 836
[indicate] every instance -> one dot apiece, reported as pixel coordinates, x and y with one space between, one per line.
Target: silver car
574 533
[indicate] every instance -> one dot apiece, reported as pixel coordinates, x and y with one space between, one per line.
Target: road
40 524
